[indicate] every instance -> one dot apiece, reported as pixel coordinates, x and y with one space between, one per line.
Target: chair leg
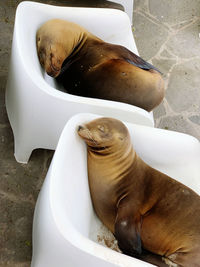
22 152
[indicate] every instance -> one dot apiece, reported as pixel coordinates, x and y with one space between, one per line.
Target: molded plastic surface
128 6
36 109
65 225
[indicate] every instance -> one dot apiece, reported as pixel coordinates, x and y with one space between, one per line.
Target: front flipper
141 63
127 232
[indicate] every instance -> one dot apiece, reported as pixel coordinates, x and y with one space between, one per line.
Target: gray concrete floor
167 34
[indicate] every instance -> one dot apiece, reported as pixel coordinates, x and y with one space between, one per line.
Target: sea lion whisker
90 137
97 147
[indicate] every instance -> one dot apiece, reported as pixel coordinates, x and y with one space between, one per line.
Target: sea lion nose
52 72
80 127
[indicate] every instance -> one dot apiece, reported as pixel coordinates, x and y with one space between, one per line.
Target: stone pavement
167 34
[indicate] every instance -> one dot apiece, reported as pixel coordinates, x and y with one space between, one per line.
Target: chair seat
65 223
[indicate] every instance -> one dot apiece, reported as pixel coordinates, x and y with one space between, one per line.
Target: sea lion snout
53 70
80 127
50 51
85 133
49 61
82 131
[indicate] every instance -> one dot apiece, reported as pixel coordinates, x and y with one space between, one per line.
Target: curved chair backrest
173 153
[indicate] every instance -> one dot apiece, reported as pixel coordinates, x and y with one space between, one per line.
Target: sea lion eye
101 128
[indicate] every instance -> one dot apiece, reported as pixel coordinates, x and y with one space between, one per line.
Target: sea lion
88 66
144 208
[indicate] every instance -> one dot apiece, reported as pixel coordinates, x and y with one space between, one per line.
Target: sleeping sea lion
88 66
145 209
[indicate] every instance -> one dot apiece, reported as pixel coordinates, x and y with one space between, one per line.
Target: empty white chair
37 110
65 227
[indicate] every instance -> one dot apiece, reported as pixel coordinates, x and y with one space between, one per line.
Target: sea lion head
54 45
104 133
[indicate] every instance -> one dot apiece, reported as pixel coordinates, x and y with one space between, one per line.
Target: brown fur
144 208
88 66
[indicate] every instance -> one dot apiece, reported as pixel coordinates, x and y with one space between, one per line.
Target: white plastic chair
36 109
65 227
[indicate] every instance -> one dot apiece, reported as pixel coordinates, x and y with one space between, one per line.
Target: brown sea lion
90 67
144 208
